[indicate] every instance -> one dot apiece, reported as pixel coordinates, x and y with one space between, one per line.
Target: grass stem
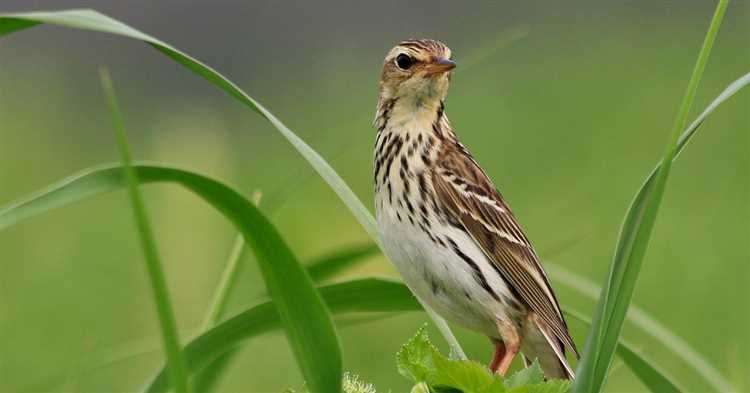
634 239
226 284
175 361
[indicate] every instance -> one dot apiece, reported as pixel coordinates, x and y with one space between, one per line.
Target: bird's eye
404 61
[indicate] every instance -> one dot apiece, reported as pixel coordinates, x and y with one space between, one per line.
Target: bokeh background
567 104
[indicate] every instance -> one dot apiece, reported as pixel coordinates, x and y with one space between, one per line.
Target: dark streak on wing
512 254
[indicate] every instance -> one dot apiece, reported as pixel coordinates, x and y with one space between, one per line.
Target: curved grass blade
633 242
226 284
319 270
650 326
364 295
306 319
206 380
94 21
647 373
170 339
328 266
361 295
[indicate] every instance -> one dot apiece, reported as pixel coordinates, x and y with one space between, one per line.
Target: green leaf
648 325
95 21
207 379
649 375
170 339
414 359
465 375
226 285
633 242
319 270
552 386
419 361
527 376
364 295
306 321
421 387
329 265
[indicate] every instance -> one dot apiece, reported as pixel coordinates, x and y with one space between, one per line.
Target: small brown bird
445 225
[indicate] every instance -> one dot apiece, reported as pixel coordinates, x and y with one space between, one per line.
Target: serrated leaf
420 388
527 376
465 375
551 386
415 358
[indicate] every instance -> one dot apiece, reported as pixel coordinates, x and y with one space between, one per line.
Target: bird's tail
541 344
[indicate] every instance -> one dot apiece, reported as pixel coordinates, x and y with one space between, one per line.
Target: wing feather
470 199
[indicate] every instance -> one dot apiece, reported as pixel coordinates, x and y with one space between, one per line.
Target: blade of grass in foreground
205 381
95 21
360 295
170 340
327 266
305 317
650 326
633 242
320 269
226 284
653 378
109 178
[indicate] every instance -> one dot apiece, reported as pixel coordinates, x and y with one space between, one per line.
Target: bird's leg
499 355
511 344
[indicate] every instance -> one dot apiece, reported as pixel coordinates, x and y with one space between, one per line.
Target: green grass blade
363 295
95 21
170 340
656 380
633 242
320 269
328 266
306 319
650 326
646 371
206 380
227 283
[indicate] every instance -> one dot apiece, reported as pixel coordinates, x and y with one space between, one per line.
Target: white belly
445 281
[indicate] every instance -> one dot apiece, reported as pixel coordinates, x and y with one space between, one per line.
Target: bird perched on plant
447 228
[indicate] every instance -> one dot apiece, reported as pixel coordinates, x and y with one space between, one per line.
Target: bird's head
417 71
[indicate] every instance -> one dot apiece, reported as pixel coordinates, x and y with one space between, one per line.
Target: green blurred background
567 104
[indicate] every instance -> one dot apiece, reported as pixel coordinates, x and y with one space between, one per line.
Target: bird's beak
439 65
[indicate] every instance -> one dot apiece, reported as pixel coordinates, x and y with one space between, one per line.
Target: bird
445 225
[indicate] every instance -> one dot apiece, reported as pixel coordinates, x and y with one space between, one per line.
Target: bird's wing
473 203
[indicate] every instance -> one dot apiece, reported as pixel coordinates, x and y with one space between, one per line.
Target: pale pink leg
511 344
498 356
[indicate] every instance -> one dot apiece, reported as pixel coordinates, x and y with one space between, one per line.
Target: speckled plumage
445 225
